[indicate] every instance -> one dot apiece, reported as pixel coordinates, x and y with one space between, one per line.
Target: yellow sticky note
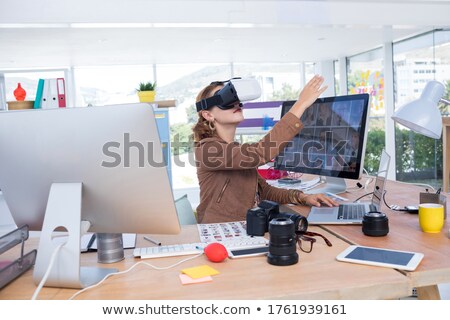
185 279
200 272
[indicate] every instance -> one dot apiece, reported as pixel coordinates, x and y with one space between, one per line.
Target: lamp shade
422 115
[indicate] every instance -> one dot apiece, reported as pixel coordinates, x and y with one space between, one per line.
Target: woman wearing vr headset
226 170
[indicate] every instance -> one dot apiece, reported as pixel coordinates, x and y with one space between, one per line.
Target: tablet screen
380 255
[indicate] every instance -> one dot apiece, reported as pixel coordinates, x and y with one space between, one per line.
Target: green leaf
146 86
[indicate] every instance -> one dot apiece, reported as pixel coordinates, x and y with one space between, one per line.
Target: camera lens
375 224
300 222
282 250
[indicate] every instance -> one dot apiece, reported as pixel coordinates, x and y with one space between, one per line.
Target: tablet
402 260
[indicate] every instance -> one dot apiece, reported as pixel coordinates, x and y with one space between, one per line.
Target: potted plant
146 91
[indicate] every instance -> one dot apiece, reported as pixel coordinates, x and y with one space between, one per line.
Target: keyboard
196 248
352 212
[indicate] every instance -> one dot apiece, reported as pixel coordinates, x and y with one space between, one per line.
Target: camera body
258 218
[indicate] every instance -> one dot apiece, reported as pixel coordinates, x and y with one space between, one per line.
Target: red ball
216 252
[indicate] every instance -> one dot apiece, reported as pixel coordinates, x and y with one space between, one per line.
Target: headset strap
207 103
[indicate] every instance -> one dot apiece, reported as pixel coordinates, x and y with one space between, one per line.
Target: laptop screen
380 180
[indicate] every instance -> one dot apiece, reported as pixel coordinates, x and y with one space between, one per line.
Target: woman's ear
207 115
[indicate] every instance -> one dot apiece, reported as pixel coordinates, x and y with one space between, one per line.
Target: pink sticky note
185 279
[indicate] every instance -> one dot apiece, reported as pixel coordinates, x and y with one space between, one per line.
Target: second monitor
332 142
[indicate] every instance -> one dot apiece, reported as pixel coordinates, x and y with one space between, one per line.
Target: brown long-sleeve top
228 176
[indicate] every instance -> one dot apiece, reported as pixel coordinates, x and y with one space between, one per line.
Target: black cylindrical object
282 250
375 224
300 222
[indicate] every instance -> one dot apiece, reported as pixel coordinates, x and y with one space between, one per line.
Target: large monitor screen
332 142
71 168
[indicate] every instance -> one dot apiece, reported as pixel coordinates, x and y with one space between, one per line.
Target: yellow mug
431 217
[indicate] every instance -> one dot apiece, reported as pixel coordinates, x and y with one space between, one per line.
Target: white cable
131 268
368 182
413 183
418 184
47 272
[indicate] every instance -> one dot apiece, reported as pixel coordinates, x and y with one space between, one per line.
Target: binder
50 94
38 100
61 92
52 97
45 90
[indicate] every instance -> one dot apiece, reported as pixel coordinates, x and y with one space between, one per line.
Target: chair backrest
186 214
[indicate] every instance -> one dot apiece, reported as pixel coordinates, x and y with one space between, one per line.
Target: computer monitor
100 165
332 143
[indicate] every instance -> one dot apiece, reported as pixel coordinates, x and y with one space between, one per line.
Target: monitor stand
64 210
333 185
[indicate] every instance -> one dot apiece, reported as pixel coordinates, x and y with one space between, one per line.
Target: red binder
61 92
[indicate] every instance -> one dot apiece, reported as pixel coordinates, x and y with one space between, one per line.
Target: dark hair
201 129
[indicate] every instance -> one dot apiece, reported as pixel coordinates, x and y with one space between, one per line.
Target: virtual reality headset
234 90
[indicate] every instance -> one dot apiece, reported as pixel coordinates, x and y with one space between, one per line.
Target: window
337 89
417 61
279 81
366 75
28 80
98 86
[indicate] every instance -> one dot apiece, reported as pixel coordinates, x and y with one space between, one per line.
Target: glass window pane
110 85
442 54
310 70
28 81
279 81
336 77
416 62
366 75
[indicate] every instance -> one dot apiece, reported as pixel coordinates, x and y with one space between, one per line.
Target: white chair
186 214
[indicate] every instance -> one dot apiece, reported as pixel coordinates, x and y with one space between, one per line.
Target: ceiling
53 33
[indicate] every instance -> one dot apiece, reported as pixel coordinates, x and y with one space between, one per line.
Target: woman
227 171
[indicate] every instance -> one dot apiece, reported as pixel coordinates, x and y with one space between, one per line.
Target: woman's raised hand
312 90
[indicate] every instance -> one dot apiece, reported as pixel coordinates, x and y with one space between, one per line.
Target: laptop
352 213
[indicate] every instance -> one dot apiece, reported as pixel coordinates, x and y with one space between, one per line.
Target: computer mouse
216 252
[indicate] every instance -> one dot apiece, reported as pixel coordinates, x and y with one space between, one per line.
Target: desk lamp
422 115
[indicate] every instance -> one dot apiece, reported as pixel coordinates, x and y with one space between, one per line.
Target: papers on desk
200 271
198 274
222 231
185 279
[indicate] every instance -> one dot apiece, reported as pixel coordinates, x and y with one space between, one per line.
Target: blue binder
38 100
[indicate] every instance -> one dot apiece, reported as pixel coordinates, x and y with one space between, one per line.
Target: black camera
258 218
282 250
375 224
